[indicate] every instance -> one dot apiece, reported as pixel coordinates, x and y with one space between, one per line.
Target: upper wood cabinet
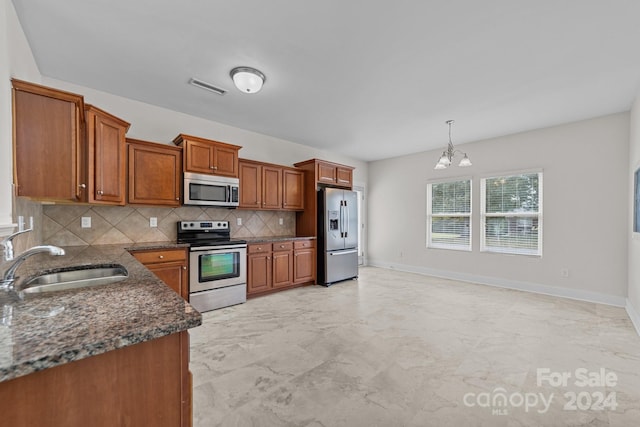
271 187
292 189
155 172
319 173
106 166
207 156
329 173
49 148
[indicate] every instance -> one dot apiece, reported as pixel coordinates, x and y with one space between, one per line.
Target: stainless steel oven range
217 264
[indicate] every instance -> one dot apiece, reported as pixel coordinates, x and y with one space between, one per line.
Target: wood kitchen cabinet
155 173
146 384
106 166
49 146
259 268
170 265
292 189
330 173
279 265
209 157
304 261
270 187
319 173
282 264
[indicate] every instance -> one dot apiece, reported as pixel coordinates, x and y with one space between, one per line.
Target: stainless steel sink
76 277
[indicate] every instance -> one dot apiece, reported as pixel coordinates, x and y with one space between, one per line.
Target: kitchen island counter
51 329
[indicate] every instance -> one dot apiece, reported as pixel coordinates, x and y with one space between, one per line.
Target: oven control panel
204 225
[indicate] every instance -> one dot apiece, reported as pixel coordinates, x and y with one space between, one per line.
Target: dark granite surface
274 239
50 329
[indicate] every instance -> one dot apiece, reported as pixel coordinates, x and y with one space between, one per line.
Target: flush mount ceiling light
450 152
247 79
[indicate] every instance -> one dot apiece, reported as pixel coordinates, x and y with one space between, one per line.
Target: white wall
633 301
585 224
17 61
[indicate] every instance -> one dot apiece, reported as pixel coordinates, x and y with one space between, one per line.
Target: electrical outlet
238 221
86 222
153 222
281 221
564 272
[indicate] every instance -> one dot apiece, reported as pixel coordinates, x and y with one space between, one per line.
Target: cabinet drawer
282 246
151 257
259 248
304 244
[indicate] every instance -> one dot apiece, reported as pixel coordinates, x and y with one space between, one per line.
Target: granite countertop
274 239
50 329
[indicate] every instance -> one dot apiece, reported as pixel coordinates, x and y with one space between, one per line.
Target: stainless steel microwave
210 190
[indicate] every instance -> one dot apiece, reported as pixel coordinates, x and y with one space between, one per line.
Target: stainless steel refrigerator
337 235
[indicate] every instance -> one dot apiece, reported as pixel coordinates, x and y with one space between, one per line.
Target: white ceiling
369 79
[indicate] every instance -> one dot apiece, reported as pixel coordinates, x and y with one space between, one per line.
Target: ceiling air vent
207 86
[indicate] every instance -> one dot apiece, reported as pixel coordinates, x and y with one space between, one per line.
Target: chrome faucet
9 277
7 244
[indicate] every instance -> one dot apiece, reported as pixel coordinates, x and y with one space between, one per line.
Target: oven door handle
217 248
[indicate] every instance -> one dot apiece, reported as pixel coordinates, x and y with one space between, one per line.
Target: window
449 215
512 214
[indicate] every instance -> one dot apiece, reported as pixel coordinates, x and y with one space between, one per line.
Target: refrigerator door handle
343 252
341 220
346 209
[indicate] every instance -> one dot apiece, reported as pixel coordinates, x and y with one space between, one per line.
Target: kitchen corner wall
61 224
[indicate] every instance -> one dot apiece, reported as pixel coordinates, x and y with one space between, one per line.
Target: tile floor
401 349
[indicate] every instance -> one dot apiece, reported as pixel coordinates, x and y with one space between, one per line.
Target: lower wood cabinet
170 265
146 384
273 266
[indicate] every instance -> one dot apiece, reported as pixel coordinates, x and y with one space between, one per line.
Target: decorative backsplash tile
61 224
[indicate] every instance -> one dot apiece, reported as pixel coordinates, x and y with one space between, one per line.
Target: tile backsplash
61 224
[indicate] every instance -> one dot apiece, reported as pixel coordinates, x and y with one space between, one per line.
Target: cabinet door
326 173
154 174
174 274
271 187
282 268
47 125
198 157
250 185
258 273
106 145
344 176
293 189
225 161
304 261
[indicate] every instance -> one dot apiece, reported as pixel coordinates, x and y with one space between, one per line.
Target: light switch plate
153 221
281 221
239 221
86 222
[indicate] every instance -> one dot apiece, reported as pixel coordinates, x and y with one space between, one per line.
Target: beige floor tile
400 349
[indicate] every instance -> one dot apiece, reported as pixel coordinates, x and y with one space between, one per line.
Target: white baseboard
537 288
633 315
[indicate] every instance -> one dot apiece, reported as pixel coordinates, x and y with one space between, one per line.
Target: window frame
538 215
429 222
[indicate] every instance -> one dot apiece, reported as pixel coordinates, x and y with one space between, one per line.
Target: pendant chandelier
450 152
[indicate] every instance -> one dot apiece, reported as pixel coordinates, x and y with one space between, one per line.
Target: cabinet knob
100 192
161 256
268 257
82 185
285 204
177 198
259 249
282 246
184 267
